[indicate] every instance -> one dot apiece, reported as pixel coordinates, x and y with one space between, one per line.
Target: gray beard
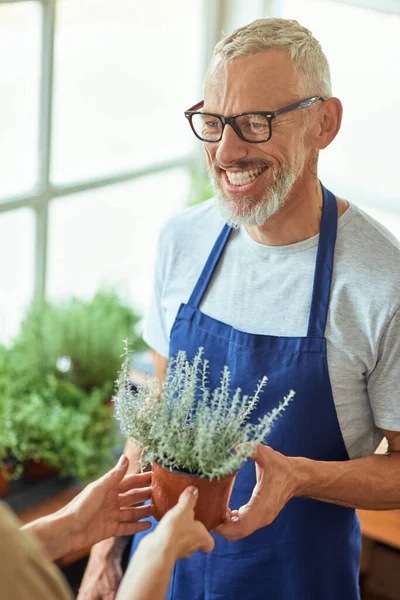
251 213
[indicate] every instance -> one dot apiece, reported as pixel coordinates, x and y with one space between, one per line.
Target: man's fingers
188 498
235 530
135 514
131 482
134 497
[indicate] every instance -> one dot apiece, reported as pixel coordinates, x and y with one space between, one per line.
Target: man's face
252 181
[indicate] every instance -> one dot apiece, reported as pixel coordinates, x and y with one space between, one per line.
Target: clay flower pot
213 500
35 471
5 474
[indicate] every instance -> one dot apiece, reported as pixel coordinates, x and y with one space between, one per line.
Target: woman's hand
106 507
179 532
178 535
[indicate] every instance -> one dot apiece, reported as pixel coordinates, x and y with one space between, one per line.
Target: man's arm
370 483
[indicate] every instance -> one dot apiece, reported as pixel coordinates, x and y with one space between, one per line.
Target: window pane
16 269
108 236
19 85
362 162
124 74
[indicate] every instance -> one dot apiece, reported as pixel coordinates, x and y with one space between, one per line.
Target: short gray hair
286 35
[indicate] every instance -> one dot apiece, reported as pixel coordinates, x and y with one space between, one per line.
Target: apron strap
209 268
324 266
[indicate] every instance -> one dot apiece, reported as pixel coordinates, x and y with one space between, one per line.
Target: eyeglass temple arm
302 104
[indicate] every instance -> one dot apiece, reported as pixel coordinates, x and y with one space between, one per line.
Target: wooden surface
382 526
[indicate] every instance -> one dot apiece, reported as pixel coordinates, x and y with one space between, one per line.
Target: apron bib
312 550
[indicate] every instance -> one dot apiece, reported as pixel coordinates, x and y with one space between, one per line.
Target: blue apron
312 550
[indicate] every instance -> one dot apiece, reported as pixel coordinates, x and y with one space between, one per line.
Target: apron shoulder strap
209 268
324 266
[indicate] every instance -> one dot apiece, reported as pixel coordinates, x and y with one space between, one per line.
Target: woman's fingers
134 497
130 482
135 514
132 528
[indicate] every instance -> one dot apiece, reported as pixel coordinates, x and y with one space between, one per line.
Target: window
92 100
19 97
101 238
16 251
124 73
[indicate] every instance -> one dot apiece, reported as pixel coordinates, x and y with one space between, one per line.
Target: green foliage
185 425
56 422
77 340
58 415
201 188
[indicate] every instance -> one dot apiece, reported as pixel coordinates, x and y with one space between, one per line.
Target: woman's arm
102 510
177 536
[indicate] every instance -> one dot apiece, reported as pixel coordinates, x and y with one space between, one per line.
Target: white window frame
45 191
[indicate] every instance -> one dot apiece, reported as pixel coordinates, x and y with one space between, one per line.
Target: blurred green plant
201 188
77 340
52 420
64 427
55 379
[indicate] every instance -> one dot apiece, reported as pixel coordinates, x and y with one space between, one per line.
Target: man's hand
275 486
105 508
104 571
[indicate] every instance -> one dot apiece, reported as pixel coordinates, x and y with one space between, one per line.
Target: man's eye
212 124
257 125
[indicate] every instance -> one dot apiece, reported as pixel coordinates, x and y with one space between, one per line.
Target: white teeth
243 177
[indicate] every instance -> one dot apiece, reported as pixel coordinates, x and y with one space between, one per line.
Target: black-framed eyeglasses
253 127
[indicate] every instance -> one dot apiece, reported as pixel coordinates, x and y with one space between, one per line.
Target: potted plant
6 466
57 427
77 340
191 434
7 461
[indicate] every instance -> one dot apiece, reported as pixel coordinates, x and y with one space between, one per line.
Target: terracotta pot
37 470
5 474
214 494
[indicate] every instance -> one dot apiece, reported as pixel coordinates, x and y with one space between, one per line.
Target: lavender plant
182 424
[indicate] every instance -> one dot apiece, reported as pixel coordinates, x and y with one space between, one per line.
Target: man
277 276
104 508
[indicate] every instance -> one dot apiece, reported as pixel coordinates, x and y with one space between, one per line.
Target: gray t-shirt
267 290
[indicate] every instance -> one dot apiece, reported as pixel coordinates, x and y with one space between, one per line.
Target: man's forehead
268 74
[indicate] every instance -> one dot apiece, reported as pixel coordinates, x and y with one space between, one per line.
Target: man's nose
231 148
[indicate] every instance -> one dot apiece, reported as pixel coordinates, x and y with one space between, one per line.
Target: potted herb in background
59 428
7 440
78 340
7 463
57 376
190 433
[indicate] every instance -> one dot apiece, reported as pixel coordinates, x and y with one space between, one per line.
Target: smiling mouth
243 177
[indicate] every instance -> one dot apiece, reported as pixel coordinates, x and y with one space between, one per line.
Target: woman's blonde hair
281 34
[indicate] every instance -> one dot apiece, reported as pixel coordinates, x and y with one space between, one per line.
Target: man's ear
326 124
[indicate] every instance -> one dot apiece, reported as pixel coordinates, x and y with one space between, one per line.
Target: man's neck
297 220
